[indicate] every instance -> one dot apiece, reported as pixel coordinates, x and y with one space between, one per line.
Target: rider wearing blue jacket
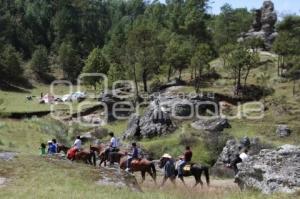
51 148
133 155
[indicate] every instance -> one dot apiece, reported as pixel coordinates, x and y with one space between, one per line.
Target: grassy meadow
32 176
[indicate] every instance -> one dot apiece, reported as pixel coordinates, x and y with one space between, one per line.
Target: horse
142 165
195 170
102 152
112 157
62 147
87 156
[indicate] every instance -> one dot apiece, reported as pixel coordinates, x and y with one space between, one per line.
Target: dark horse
143 165
112 157
62 147
196 171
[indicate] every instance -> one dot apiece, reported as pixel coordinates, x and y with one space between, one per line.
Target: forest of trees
131 39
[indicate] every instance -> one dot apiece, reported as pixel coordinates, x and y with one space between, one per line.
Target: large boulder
212 125
272 170
231 150
283 131
263 26
154 122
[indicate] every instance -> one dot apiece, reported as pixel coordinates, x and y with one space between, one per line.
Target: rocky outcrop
154 122
272 170
283 131
211 125
231 150
263 26
163 111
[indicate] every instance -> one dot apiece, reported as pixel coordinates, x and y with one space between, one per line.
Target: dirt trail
216 185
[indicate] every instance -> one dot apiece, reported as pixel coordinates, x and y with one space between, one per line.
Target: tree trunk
169 72
198 80
282 65
246 77
278 66
135 81
145 81
179 74
238 81
294 87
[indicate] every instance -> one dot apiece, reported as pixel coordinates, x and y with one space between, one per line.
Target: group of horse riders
172 169
76 147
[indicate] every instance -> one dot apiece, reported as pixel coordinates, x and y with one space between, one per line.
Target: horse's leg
100 163
197 179
200 181
182 180
152 175
173 181
143 173
164 181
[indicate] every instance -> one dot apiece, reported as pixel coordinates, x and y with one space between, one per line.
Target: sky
283 7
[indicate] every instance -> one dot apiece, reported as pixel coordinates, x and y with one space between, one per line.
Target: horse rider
187 157
169 169
51 148
113 146
243 156
132 156
55 144
77 144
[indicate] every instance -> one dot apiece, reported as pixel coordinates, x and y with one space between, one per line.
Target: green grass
27 135
32 176
39 177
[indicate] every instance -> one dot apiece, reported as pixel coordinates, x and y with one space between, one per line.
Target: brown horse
88 156
112 157
62 147
143 165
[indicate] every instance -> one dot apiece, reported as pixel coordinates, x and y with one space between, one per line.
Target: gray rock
153 123
272 170
231 150
7 156
2 181
263 26
212 125
283 131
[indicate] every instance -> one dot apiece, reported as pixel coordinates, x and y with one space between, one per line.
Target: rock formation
211 125
160 115
231 150
283 131
154 122
272 170
263 26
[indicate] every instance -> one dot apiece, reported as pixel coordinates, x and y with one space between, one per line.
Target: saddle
135 161
71 153
187 167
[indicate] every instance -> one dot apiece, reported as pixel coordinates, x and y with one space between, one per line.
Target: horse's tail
206 173
153 170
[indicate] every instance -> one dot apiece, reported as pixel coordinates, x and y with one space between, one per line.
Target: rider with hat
169 169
